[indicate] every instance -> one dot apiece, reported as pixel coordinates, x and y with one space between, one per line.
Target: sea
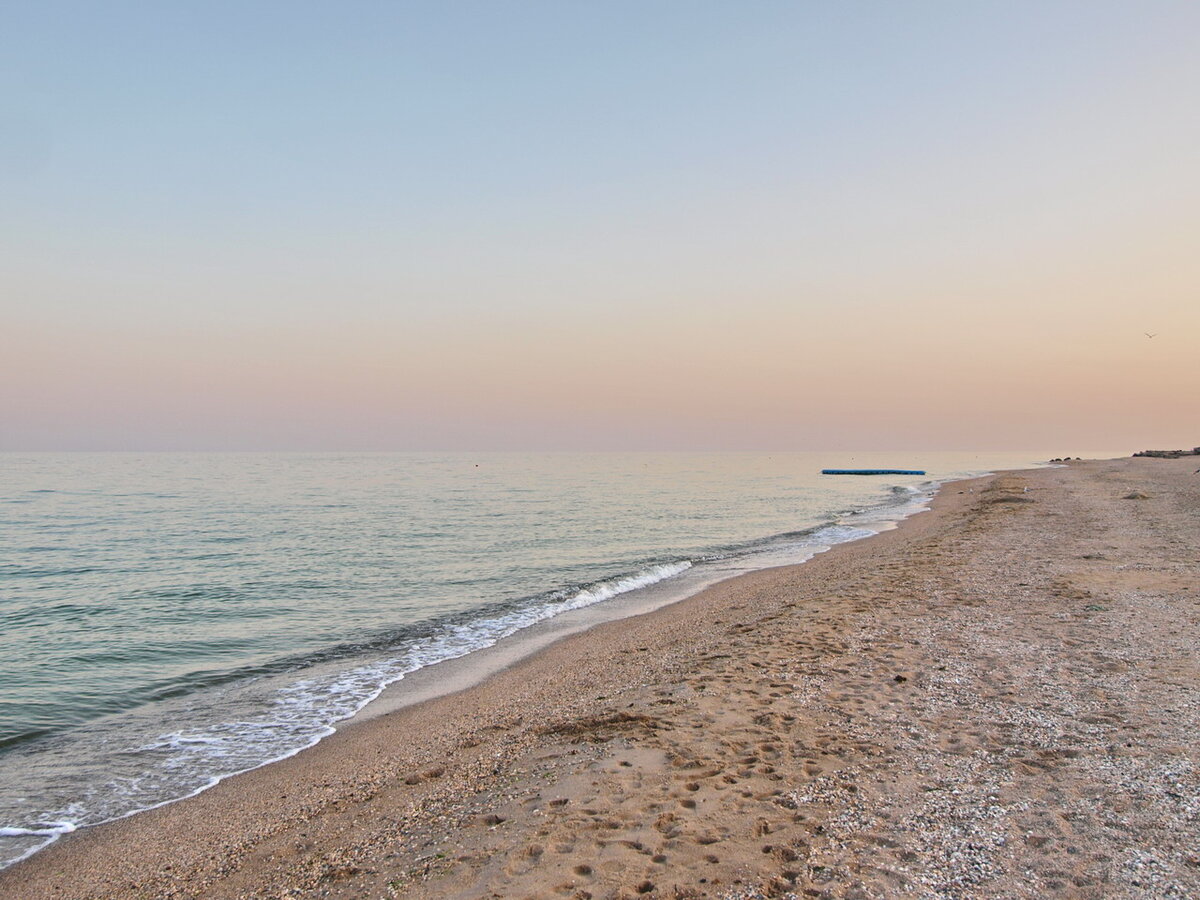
170 619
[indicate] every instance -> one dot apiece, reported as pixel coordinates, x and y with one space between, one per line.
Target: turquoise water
169 619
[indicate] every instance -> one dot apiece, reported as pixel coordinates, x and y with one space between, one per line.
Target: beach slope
998 699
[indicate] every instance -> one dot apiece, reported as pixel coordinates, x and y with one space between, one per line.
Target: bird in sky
1149 335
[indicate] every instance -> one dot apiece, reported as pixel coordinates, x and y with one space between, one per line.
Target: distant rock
1167 454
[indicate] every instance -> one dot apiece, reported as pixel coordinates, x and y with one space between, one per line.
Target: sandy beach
1000 698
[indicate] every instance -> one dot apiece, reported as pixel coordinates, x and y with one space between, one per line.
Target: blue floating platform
872 471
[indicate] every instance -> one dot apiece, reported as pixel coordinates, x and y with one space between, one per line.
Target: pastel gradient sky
527 225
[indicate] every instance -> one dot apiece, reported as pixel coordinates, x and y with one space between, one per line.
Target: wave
299 714
49 832
50 828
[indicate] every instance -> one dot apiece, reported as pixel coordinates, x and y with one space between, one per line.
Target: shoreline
451 676
455 674
443 680
352 815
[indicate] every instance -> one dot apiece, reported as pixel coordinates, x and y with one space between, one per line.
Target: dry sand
998 699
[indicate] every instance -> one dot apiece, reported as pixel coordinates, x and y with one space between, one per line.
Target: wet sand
1000 698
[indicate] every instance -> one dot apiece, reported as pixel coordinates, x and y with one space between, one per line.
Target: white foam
50 828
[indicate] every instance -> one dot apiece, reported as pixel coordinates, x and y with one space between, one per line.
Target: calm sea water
167 620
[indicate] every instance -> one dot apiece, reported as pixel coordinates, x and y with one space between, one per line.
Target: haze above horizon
608 226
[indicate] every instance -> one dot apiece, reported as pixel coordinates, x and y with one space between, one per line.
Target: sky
617 225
